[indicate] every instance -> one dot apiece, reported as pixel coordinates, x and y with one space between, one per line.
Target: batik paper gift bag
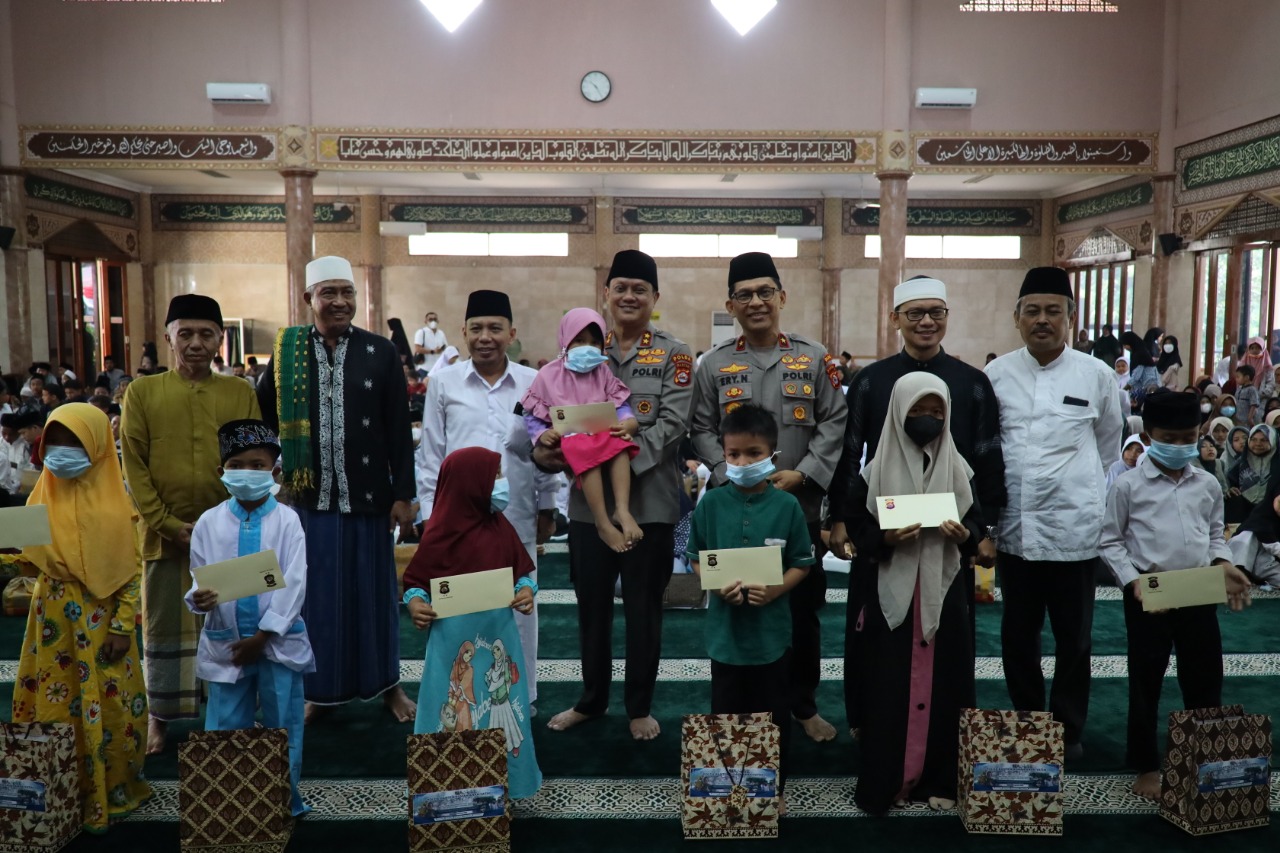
39 787
458 792
729 776
1217 770
1010 778
233 791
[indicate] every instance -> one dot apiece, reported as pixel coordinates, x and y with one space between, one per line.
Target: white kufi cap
919 288
329 268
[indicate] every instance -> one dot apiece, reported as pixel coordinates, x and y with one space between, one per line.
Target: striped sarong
170 636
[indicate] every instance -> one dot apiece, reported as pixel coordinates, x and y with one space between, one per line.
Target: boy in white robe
253 651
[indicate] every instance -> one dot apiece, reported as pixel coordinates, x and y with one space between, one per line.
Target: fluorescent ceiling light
451 13
742 14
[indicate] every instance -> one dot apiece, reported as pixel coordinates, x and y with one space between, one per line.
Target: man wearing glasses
794 378
920 315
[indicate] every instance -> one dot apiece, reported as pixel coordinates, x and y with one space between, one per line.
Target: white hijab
899 469
446 358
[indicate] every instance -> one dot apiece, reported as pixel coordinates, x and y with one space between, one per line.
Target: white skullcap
919 288
329 268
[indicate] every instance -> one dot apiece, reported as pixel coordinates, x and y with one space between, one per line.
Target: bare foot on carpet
566 720
1147 786
312 713
612 537
157 730
645 728
400 705
818 729
941 804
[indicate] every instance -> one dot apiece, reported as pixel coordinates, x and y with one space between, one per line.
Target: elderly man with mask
169 442
1060 431
473 404
336 396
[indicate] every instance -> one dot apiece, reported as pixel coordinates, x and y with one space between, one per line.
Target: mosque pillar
15 276
147 260
299 223
1158 307
832 269
893 244
371 257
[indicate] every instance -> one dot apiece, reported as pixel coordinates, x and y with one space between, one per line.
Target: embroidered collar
256 515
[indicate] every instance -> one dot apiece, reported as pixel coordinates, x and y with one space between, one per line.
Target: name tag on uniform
473 593
591 418
750 565
899 511
1183 588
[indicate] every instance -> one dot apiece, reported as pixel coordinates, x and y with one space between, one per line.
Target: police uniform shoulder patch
683 363
833 374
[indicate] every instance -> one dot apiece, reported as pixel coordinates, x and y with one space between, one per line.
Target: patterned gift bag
39 787
1217 770
729 776
233 791
458 792
1010 779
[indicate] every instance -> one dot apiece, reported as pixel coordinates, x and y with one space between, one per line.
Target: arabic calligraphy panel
95 146
960 216
1018 153
246 213
86 198
1233 163
573 215
712 216
1106 203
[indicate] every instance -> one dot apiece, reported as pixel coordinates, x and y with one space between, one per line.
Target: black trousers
806 600
1066 591
1191 631
594 569
754 689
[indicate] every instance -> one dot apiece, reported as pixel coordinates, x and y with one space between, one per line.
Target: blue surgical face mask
66 463
750 475
501 495
247 485
1228 411
1175 456
585 359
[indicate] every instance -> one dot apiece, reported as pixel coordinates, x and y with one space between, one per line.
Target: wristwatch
991 531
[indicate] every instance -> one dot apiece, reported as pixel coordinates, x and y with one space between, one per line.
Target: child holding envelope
580 376
471 678
253 651
1166 515
78 663
749 625
911 668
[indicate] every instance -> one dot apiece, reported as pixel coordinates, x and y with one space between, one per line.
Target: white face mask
1168 348
432 325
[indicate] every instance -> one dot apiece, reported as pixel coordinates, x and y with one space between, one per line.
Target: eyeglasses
915 315
766 294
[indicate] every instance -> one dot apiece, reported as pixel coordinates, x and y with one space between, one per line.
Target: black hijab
1139 350
1169 359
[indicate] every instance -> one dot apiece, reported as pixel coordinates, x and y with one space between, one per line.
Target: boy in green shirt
749 625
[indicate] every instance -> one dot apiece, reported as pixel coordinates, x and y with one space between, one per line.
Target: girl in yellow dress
79 662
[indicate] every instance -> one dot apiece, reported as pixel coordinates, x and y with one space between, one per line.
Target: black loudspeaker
1170 243
6 236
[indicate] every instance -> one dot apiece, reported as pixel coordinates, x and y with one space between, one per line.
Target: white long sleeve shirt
16 459
1060 428
1155 523
219 535
463 410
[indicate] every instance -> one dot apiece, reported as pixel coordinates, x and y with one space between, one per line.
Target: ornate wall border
1138 233
594 151
1260 141
576 215
221 216
45 202
712 215
163 147
981 153
1020 216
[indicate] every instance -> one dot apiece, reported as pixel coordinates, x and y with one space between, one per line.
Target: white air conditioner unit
238 93
945 99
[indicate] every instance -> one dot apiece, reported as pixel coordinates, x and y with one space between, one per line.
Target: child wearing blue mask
1166 515
749 625
580 376
253 651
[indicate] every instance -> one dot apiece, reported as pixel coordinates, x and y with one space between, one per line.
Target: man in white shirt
1060 428
429 340
473 404
16 458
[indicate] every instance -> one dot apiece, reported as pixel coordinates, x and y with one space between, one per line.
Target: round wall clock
596 86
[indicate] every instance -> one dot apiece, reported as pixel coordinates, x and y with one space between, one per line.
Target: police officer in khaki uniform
658 369
795 379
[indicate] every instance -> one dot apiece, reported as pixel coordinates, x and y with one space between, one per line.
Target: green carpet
360 741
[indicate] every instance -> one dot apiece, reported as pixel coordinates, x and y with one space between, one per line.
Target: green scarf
293 402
